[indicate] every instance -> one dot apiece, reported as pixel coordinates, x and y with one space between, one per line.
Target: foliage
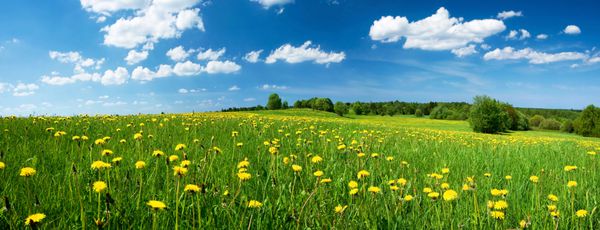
418 113
274 102
567 126
488 115
588 122
536 120
550 124
340 108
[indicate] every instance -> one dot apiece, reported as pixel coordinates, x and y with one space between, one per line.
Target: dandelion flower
581 213
325 180
408 198
433 195
555 214
140 164
402 181
569 168
244 176
341 147
179 147
273 150
353 184
99 186
254 204
523 224
97 165
445 170
2 165
318 173
179 171
500 205
534 179
34 219
551 208
508 177
427 190
572 184
552 197
362 174
116 160
191 188
173 158
316 159
353 191
157 153
185 163
243 164
156 205
466 187
137 136
374 189
487 174
497 215
340 209
450 195
445 186
297 168
27 172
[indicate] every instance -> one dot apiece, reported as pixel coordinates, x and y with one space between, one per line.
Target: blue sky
149 56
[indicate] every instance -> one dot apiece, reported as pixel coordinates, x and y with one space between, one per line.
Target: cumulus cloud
187 68
436 32
305 52
272 87
572 29
268 3
210 54
161 19
541 36
22 89
117 77
178 54
107 7
134 57
509 14
144 74
534 57
514 34
464 51
249 99
185 91
215 67
234 88
82 77
76 58
253 56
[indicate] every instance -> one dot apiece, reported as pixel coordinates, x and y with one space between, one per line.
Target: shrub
536 120
567 126
340 108
488 115
588 122
439 112
418 113
274 102
550 124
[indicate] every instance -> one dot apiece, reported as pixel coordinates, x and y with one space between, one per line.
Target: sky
71 57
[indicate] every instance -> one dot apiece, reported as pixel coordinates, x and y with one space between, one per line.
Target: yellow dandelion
450 195
297 168
427 190
137 136
157 153
445 186
116 160
572 184
433 195
552 197
27 172
244 176
179 171
97 165
534 179
140 164
318 173
243 164
445 170
316 159
407 198
325 180
254 204
500 205
173 158
362 174
353 184
353 191
581 213
156 205
273 150
192 188
2 165
34 219
179 147
340 209
498 215
99 186
374 189
402 181
569 168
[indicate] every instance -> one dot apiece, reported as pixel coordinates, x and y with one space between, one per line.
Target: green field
422 173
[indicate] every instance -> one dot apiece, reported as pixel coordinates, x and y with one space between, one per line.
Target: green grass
388 148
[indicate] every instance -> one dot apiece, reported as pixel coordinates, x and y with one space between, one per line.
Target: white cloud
215 67
117 77
183 91
103 97
162 19
534 57
76 58
109 6
118 103
514 34
234 88
268 3
594 60
273 87
178 54
485 46
58 80
541 36
187 68
572 29
305 52
509 14
253 56
21 89
144 74
211 54
465 51
436 32
4 87
101 19
134 57
249 99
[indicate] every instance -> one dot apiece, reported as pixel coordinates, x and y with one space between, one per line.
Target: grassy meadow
291 169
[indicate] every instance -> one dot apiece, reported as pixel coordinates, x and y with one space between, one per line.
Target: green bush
418 113
588 122
340 108
567 126
488 115
274 102
536 120
550 124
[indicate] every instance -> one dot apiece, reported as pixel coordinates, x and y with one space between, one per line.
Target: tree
285 105
418 113
274 102
588 122
550 124
567 126
536 120
340 108
488 115
323 104
357 108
